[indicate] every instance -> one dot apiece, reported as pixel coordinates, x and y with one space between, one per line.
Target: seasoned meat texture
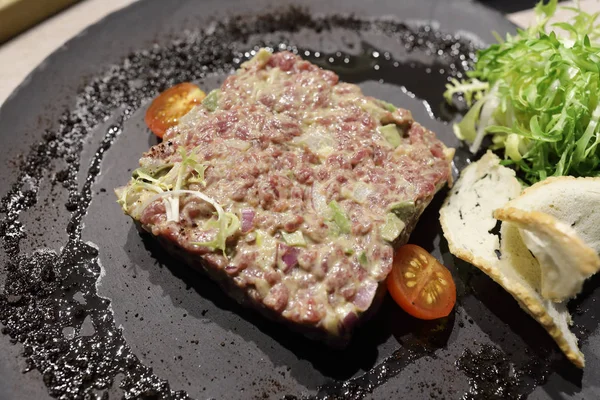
291 189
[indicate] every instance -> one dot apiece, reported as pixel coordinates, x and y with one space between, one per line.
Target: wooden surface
18 15
22 54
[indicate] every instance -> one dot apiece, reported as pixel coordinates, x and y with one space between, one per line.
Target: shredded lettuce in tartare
537 94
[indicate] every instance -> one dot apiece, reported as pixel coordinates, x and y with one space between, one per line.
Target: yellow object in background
18 15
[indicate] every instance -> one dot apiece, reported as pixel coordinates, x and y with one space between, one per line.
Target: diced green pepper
392 228
294 239
263 56
211 101
391 134
339 217
388 106
363 258
403 209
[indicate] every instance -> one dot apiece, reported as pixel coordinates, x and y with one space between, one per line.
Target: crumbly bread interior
467 214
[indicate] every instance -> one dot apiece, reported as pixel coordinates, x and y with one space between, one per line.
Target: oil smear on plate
49 302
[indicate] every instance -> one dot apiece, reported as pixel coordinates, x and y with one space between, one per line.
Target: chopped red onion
348 322
247 220
231 269
289 256
365 294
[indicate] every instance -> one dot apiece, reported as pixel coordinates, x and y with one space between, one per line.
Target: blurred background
17 16
32 29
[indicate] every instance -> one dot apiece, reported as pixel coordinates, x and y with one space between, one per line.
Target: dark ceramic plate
91 308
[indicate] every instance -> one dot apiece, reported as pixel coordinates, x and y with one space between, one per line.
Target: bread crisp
558 220
468 222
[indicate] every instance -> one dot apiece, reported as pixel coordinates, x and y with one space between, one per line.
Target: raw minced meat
315 183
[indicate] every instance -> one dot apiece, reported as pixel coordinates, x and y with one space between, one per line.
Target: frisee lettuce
227 224
136 187
169 186
537 94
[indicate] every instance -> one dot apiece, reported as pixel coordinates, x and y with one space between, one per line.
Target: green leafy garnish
184 168
471 89
227 224
196 166
133 191
153 176
537 94
169 186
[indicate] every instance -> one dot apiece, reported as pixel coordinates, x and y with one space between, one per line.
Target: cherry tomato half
170 105
422 286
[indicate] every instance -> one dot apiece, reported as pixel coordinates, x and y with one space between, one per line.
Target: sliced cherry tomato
170 105
422 286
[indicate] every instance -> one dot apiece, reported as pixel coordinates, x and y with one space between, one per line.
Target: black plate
67 247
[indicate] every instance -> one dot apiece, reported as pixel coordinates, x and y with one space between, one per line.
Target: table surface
22 54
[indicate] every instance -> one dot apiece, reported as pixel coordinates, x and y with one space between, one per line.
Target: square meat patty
290 188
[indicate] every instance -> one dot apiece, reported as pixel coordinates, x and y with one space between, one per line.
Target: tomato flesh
422 286
172 104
